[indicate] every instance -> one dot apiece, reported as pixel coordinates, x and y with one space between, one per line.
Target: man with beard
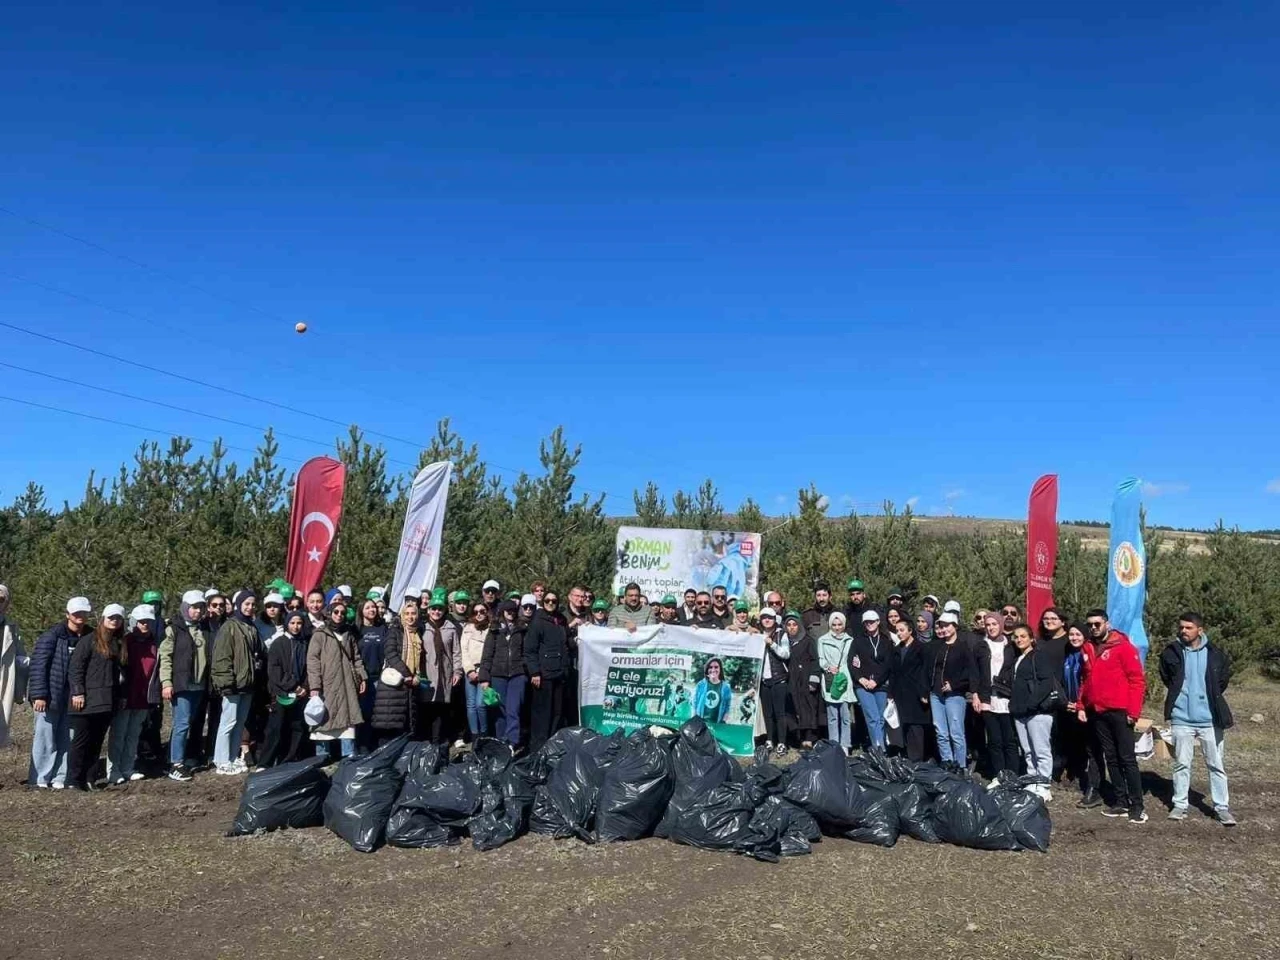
816 619
687 609
720 606
858 605
703 618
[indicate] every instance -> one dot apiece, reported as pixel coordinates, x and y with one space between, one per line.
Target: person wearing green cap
600 613
837 686
440 675
460 607
856 607
741 622
669 611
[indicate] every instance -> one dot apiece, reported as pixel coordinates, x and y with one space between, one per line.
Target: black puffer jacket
546 647
503 653
392 706
95 677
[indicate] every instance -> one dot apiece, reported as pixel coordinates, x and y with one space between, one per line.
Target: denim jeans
477 712
1035 733
948 723
235 711
122 743
1214 748
187 706
50 746
512 690
873 703
838 724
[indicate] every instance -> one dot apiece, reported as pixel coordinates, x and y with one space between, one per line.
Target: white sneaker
117 781
239 766
58 786
135 776
768 745
225 770
459 744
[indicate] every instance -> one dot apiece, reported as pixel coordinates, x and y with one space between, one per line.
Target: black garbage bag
413 827
570 738
290 795
489 758
363 794
500 820
823 784
521 780
698 765
1026 814
796 830
725 818
966 814
637 785
896 777
422 758
566 805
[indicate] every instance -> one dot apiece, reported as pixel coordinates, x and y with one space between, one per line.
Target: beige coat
335 670
13 675
472 647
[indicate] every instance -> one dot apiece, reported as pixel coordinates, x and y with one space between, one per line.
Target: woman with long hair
474 633
910 691
393 703
140 678
1032 708
991 699
1082 754
95 687
372 632
502 666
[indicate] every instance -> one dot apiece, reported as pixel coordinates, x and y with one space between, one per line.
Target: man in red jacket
1112 695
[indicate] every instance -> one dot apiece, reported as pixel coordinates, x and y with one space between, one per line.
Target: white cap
192 598
112 610
376 593
769 612
930 596
491 585
869 615
80 605
213 592
143 611
528 600
948 618
951 606
273 597
345 590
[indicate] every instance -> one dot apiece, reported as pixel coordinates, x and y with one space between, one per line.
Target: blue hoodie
1191 708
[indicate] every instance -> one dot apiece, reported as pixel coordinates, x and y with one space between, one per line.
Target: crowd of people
250 684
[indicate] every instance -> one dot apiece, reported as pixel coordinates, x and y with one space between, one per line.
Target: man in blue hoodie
1196 674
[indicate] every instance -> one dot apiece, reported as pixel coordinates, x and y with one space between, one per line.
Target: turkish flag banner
313 524
1042 547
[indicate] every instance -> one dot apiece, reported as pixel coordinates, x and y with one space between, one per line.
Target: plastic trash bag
725 819
363 793
1026 814
967 814
896 777
290 795
698 764
795 829
500 821
421 759
491 697
823 784
637 786
565 805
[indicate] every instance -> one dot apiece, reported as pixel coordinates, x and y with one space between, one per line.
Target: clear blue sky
902 250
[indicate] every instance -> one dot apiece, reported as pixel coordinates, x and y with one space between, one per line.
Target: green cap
461 596
438 597
375 594
669 600
287 592
741 606
351 614
513 595
152 596
856 585
600 605
792 615
288 700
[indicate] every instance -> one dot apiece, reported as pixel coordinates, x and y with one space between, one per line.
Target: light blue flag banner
1127 572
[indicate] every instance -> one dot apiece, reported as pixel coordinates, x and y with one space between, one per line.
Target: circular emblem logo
1041 557
1126 564
712 699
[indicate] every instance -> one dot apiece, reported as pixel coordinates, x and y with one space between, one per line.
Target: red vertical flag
1042 546
313 525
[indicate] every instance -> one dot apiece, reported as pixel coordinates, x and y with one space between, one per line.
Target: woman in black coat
393 703
94 673
909 688
502 666
803 671
285 738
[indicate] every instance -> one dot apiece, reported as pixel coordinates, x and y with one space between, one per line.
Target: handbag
1056 698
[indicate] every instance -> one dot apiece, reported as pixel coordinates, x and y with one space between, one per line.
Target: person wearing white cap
952 606
492 593
94 672
953 676
871 668
270 622
13 666
773 681
49 690
140 691
184 672
216 604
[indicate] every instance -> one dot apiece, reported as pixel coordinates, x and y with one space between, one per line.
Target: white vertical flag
418 563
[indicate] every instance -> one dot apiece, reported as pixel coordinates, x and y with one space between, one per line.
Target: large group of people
251 683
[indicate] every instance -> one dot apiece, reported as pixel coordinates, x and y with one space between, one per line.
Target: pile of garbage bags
599 789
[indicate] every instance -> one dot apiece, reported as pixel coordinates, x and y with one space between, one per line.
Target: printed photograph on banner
663 676
666 561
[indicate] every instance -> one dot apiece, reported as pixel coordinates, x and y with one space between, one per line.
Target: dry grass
145 871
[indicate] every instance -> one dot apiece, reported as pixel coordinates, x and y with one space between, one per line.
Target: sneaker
180 774
1115 812
118 782
225 770
768 745
1138 816
58 786
239 766
1225 818
1090 800
459 744
1178 813
136 776
782 750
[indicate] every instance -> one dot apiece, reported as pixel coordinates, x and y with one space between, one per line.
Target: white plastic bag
891 715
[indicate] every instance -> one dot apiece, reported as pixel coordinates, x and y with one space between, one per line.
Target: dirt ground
145 871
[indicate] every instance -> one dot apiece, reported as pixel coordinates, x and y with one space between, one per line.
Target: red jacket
1114 680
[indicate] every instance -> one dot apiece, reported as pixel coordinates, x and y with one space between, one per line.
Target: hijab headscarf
240 597
925 635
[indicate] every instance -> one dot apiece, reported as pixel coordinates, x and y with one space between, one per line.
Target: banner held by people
1127 571
664 675
313 523
665 561
418 562
1042 545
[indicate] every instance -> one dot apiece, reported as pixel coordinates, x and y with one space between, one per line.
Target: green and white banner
666 561
664 675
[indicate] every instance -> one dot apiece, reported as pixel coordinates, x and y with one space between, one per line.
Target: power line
136 426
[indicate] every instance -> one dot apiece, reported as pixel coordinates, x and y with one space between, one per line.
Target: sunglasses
703 603
1010 613
1096 623
548 601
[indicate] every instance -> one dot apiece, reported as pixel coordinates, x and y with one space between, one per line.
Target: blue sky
914 251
